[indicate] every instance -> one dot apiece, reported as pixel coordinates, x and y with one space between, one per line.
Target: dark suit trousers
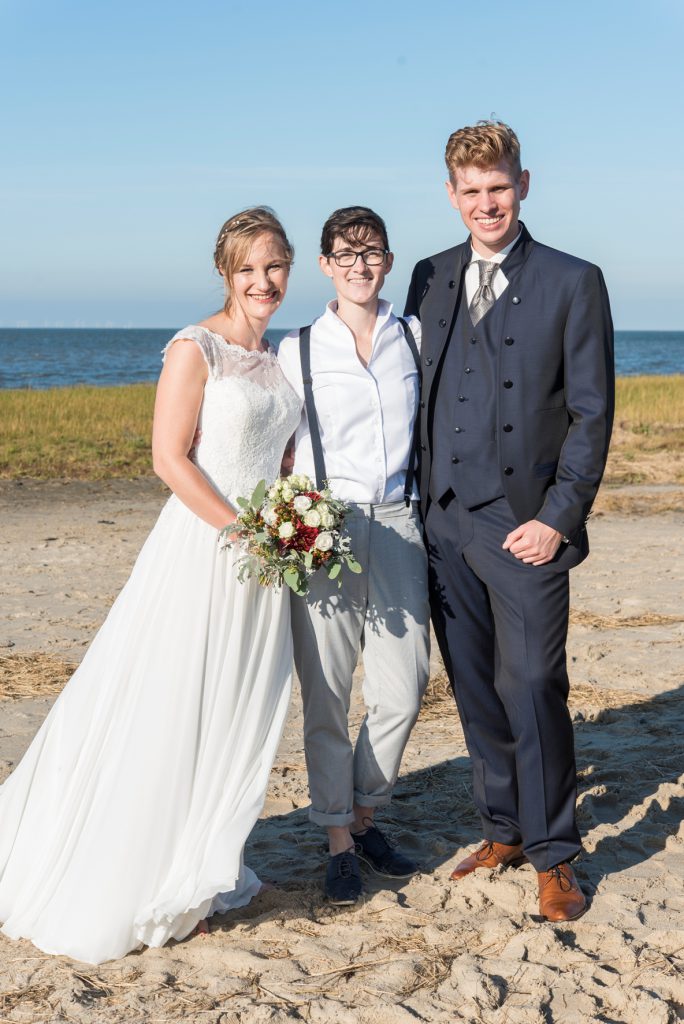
502 627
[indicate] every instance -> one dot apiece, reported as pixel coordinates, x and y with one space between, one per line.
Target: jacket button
467 370
509 341
507 427
423 448
452 284
422 405
515 300
508 471
473 341
457 430
508 383
461 398
442 322
428 361
455 460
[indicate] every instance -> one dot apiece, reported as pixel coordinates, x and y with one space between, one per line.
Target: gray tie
484 298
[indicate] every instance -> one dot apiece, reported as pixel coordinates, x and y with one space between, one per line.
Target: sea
51 357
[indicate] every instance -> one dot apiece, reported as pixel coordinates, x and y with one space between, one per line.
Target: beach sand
425 949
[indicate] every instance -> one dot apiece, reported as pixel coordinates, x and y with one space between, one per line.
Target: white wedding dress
124 823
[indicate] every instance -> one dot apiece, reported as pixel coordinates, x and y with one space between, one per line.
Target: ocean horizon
49 357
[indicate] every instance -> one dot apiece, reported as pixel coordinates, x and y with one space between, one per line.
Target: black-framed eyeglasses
347 258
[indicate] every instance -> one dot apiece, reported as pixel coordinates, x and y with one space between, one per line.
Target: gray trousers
384 611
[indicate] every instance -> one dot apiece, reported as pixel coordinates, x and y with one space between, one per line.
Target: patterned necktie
484 297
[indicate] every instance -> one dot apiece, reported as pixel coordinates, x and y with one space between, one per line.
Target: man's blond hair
483 145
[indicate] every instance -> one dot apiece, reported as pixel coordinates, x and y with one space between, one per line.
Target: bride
125 822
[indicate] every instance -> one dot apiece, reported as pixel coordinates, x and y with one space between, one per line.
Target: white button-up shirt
499 281
365 414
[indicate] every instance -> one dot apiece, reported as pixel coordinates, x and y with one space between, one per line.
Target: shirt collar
384 313
498 257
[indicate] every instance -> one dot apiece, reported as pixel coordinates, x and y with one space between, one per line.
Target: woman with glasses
357 369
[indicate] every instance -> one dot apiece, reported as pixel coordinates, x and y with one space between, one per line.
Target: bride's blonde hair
236 237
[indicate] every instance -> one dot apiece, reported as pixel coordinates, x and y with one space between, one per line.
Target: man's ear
324 264
451 192
524 184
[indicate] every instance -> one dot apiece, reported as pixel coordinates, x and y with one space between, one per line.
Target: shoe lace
563 882
485 851
346 863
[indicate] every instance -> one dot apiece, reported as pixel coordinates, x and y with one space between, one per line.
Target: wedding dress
124 823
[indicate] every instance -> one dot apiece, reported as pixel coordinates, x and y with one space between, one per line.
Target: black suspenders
314 429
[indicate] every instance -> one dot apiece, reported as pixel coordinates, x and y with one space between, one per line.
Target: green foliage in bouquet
288 532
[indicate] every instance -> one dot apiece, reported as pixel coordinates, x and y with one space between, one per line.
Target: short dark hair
353 224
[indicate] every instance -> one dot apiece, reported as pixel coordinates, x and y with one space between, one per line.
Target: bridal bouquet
288 532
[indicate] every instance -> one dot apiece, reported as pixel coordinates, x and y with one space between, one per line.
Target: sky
129 132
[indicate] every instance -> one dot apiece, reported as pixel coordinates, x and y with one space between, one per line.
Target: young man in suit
516 414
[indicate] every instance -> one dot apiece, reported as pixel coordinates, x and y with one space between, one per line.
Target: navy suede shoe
343 885
374 850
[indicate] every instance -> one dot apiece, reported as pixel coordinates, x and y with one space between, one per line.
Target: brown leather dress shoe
560 897
490 855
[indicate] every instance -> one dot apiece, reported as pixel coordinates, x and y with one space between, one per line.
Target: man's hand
534 542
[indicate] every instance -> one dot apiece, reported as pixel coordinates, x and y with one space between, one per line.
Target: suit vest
465 450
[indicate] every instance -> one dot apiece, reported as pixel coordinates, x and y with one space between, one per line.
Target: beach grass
91 433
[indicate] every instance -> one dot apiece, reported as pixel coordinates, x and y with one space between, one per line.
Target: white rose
312 518
327 520
324 542
269 516
286 493
286 530
322 507
274 492
301 503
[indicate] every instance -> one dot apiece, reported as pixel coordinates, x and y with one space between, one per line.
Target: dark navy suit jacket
556 353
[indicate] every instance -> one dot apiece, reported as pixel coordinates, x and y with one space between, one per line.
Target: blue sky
130 131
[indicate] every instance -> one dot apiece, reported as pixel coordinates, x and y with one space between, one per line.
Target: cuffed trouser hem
364 800
330 820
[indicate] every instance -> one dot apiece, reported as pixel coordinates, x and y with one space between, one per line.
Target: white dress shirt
365 414
499 281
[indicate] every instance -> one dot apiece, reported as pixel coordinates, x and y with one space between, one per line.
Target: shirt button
508 383
452 284
428 361
457 430
516 302
509 341
467 370
507 427
442 323
455 460
508 471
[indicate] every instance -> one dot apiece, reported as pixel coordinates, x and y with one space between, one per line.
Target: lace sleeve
205 342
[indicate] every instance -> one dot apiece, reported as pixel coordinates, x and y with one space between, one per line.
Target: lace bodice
248 413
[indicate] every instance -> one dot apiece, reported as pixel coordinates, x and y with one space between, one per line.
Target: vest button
423 448
473 341
461 398
422 405
509 341
515 300
508 383
452 284
455 460
442 322
507 427
467 370
457 430
508 471
428 361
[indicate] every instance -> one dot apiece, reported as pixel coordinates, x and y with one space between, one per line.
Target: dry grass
648 439
32 675
580 618
80 433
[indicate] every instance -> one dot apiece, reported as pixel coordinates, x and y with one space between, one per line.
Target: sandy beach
426 949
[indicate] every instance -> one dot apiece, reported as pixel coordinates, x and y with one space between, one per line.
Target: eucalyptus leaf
353 565
257 499
291 578
334 571
243 503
